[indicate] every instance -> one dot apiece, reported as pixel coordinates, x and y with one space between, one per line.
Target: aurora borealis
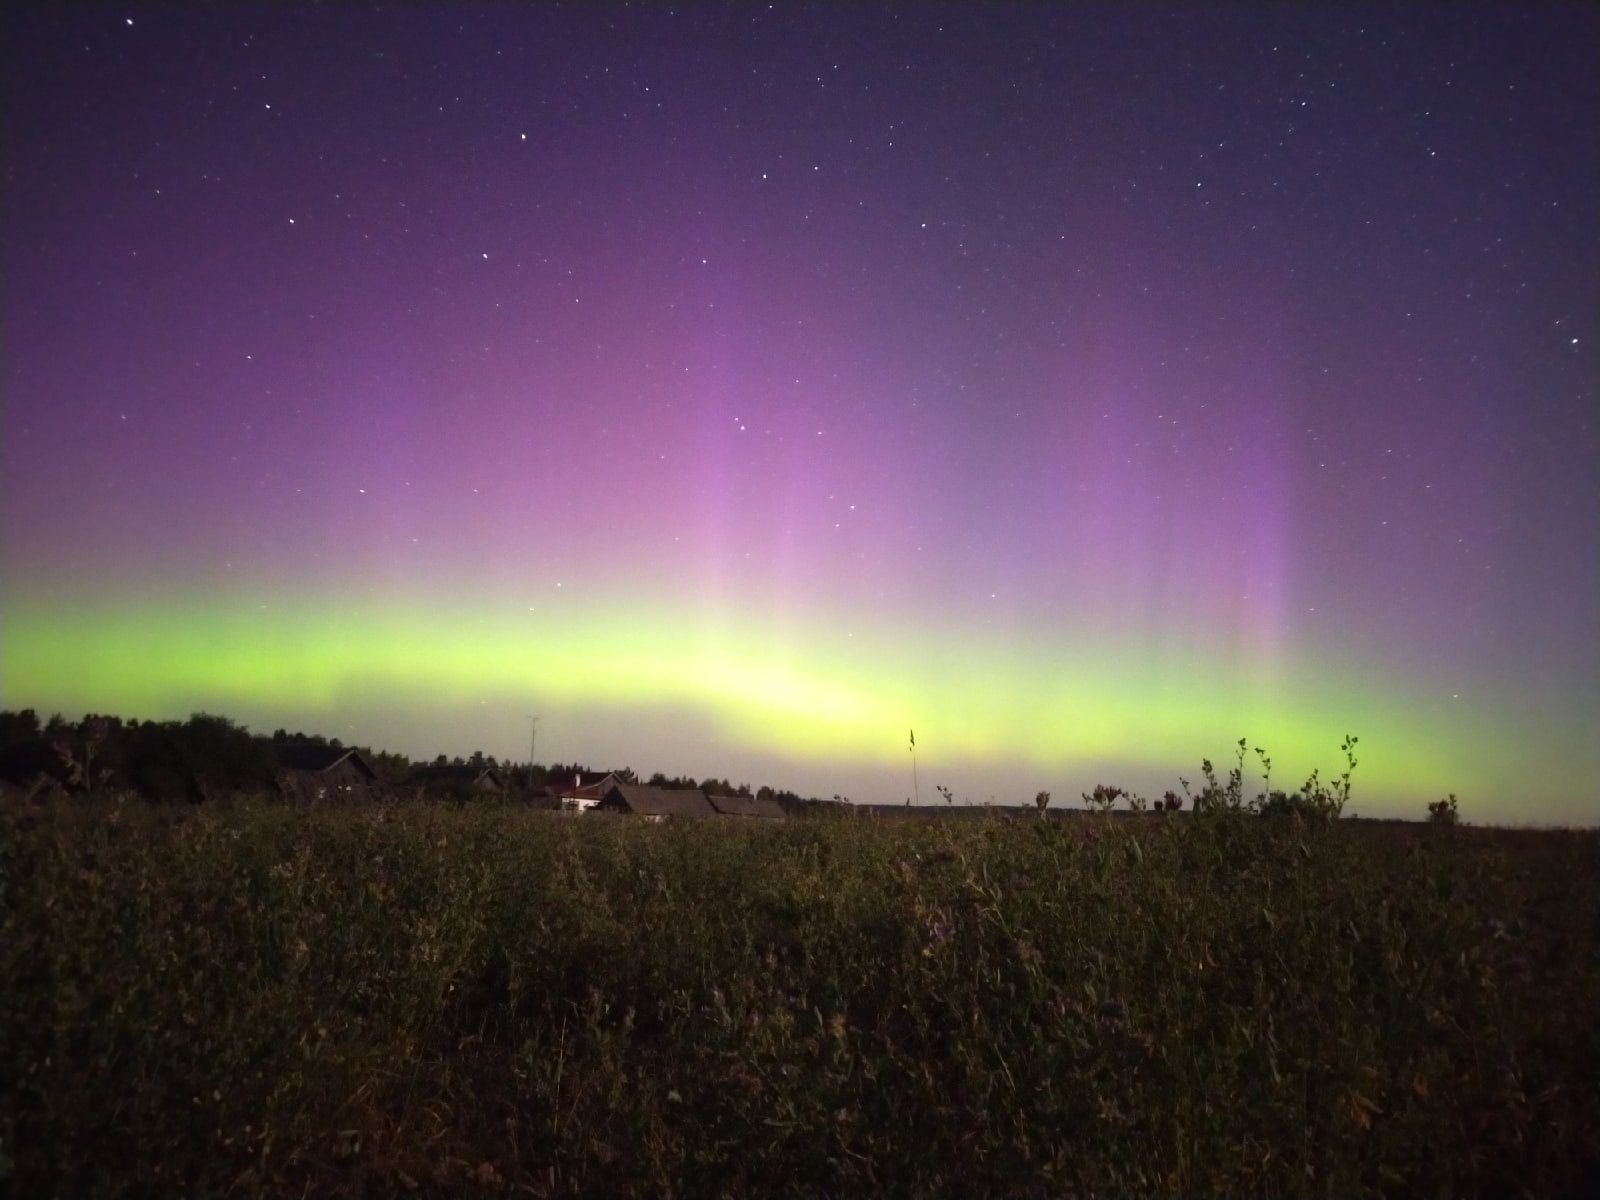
738 388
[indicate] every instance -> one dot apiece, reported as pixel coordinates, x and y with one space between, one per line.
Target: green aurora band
846 700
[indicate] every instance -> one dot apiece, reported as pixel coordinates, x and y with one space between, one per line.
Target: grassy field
425 1000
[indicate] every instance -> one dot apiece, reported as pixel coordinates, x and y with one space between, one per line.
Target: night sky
741 388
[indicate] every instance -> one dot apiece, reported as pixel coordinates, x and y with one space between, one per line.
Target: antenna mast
916 790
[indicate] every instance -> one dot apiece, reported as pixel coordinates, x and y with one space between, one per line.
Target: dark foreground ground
426 1000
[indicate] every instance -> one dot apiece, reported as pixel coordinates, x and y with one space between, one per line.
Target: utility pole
533 747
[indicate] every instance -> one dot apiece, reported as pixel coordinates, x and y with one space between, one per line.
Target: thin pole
916 789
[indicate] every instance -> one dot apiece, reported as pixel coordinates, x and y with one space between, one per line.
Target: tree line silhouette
209 756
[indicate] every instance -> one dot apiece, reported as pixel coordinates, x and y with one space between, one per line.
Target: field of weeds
430 1000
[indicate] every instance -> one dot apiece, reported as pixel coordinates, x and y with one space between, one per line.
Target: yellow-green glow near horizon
1069 704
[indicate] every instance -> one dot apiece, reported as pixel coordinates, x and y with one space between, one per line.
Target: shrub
1444 812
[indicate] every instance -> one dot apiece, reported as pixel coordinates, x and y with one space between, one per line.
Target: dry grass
425 1000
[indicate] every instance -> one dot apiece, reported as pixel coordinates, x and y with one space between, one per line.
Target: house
574 795
760 807
654 803
312 771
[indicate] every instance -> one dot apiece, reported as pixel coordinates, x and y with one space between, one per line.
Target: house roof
589 791
649 801
746 806
313 756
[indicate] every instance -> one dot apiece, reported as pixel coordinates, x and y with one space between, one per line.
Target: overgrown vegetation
256 999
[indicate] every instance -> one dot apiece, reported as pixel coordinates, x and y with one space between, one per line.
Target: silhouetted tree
25 755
